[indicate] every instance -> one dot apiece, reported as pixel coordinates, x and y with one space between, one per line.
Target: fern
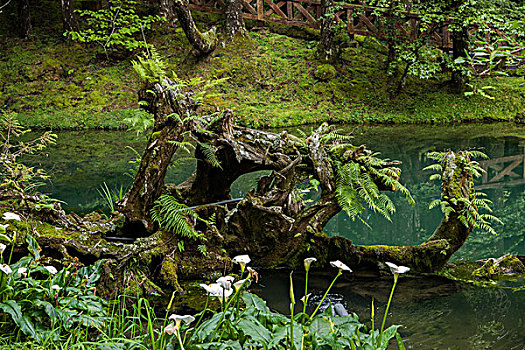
173 216
209 154
150 67
469 213
356 187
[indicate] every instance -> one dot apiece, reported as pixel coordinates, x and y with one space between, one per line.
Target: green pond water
436 313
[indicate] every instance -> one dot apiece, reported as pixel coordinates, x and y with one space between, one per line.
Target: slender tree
234 21
203 43
24 19
69 20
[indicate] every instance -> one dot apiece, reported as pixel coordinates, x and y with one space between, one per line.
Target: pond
436 313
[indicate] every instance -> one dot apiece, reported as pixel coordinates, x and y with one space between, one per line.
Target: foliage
45 304
116 27
14 174
417 56
357 179
266 74
468 209
150 66
109 196
487 59
509 240
173 216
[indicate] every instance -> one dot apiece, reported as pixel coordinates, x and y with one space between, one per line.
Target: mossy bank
273 81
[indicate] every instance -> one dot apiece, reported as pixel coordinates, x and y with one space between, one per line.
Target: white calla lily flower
6 269
212 289
341 266
170 329
304 299
181 318
51 269
56 287
239 284
395 269
10 216
308 262
242 260
215 290
2 248
226 282
22 271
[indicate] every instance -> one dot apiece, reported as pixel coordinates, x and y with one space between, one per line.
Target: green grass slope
273 81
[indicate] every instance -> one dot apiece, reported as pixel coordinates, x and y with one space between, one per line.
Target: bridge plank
305 13
368 23
249 7
508 170
275 8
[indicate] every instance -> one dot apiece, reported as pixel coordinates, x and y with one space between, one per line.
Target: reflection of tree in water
511 236
493 310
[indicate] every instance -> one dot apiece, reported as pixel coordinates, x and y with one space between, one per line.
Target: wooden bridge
503 171
356 19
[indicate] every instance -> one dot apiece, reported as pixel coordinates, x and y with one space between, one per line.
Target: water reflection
435 313
82 161
504 184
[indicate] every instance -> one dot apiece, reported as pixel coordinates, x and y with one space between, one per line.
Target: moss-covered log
172 110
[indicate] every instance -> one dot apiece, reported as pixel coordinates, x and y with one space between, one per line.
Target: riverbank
273 81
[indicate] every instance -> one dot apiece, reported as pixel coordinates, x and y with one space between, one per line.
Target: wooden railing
496 169
356 19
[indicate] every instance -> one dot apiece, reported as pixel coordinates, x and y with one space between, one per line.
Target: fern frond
172 216
209 154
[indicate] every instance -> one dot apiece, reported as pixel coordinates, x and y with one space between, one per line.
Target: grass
274 81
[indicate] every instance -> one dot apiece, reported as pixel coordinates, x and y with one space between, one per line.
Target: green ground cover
274 80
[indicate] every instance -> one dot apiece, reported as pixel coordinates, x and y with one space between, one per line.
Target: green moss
325 72
168 274
273 81
487 271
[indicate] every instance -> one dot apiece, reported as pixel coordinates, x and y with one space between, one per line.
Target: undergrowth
274 81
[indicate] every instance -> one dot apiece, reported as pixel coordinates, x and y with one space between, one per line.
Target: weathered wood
163 100
203 43
308 14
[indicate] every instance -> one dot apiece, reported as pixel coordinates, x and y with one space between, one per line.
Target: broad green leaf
273 318
278 334
320 327
33 247
88 321
388 334
49 309
252 300
13 308
400 344
5 238
206 328
255 330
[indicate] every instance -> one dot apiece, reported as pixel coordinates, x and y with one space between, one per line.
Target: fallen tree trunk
272 223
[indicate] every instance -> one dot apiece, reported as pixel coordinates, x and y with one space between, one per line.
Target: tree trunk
459 47
272 223
327 45
24 19
165 101
69 20
203 43
234 20
166 11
